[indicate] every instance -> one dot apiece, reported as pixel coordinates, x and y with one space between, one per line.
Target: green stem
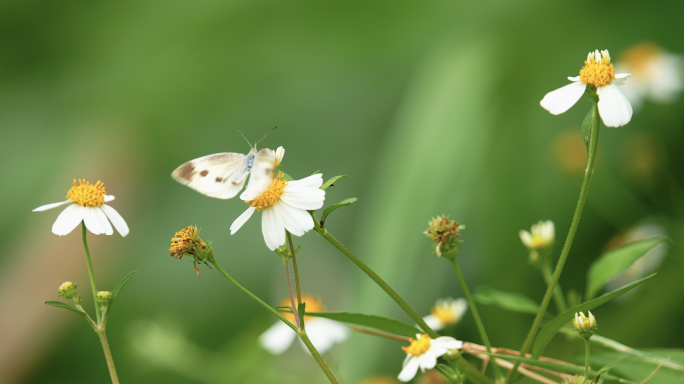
253 296
586 359
558 292
317 356
294 268
295 306
98 317
476 315
593 147
108 356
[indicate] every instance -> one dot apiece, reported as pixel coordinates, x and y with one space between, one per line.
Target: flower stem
593 148
108 355
317 356
253 296
558 292
295 307
294 268
98 317
476 315
586 358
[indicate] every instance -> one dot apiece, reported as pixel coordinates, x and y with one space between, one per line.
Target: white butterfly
222 175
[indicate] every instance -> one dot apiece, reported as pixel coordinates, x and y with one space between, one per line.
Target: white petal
409 370
116 220
563 98
50 206
70 217
313 181
620 78
290 224
526 238
613 106
92 222
447 342
279 154
108 198
277 338
299 218
272 228
433 322
319 335
427 360
104 221
241 220
303 197
459 307
574 79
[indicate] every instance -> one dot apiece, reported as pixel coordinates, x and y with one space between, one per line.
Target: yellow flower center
271 195
86 194
444 314
640 56
313 304
183 242
418 347
597 70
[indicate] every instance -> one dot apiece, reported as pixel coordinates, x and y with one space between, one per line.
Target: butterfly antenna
250 144
269 132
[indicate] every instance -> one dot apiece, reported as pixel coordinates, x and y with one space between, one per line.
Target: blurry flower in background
446 312
641 157
324 333
597 72
541 236
568 151
656 74
423 353
433 377
380 380
646 264
88 206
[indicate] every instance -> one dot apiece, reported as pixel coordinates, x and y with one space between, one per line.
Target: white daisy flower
446 312
88 206
323 333
423 353
542 236
597 72
284 205
656 74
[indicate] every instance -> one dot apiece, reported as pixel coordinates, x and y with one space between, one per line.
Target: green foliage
512 301
586 125
332 181
333 207
563 368
547 333
121 284
378 322
614 262
60 304
638 369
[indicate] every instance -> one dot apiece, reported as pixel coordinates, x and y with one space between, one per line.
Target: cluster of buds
539 241
67 290
576 380
585 325
444 232
187 242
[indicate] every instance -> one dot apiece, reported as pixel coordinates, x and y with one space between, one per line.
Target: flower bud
187 242
77 301
103 298
67 290
585 325
539 241
444 232
576 380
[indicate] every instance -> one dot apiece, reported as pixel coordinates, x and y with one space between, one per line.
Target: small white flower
423 353
88 206
322 332
656 74
446 312
284 205
542 235
597 72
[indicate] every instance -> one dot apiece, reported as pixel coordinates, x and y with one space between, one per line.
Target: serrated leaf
614 262
547 333
121 284
60 304
378 322
563 368
586 126
333 207
332 181
512 301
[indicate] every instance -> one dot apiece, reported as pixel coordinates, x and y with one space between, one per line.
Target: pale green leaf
121 284
512 301
332 181
333 207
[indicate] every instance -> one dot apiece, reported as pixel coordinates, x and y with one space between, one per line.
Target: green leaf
332 181
547 333
286 177
512 301
333 207
563 368
121 284
60 304
636 368
586 126
378 322
616 261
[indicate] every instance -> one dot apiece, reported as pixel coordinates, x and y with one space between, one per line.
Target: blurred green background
431 107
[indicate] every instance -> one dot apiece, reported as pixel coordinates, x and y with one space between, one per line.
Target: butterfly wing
221 175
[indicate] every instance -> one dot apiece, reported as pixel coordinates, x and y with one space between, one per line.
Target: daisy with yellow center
284 205
446 312
322 332
598 74
542 235
88 206
423 353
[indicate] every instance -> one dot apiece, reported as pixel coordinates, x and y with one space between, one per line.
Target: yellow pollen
444 313
313 304
597 71
418 347
182 241
270 195
86 194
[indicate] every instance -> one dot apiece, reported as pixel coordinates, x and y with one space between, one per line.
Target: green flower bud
585 325
103 299
444 232
67 290
78 301
187 242
576 380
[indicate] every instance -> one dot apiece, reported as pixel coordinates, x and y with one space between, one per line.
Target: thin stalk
253 296
593 148
294 268
558 297
586 358
317 356
476 315
98 317
295 307
108 356
447 375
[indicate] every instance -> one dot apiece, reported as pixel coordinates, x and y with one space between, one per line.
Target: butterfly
222 175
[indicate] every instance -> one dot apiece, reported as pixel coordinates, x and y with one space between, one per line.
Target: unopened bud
444 232
103 299
576 380
187 242
585 325
67 290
